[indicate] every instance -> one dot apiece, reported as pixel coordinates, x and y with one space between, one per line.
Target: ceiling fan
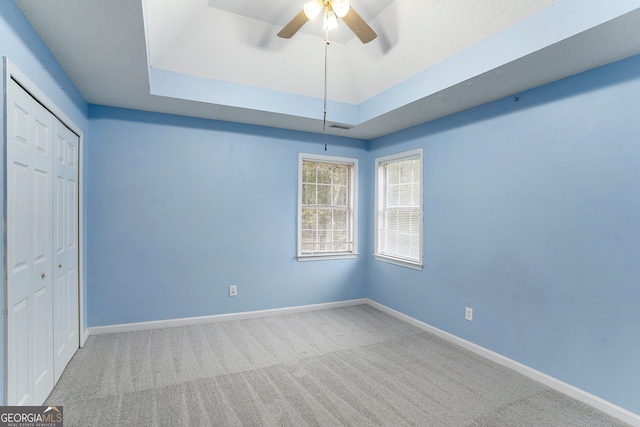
333 9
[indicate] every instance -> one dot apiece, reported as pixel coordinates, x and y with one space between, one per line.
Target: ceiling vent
343 127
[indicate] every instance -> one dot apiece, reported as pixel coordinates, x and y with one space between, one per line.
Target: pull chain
324 108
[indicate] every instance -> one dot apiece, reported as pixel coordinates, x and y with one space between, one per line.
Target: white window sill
400 262
326 257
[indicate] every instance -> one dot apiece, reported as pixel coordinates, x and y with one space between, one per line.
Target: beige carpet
353 366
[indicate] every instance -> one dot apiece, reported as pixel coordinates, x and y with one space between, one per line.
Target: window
398 219
327 207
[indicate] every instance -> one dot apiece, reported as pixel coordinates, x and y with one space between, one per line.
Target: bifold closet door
65 247
42 248
30 376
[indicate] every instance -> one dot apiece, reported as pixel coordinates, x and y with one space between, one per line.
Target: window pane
340 174
308 171
309 194
406 172
309 219
324 219
308 240
324 173
404 245
406 195
340 219
340 241
391 222
392 243
404 221
393 173
324 194
324 240
393 196
415 223
415 195
416 171
339 196
415 247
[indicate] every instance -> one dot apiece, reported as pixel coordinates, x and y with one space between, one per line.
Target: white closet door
65 242
29 165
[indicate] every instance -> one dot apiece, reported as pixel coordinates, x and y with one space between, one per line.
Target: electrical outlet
468 314
233 290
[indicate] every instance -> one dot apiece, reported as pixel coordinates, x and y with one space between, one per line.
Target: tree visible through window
326 212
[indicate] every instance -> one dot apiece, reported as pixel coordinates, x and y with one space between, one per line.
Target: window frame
352 198
379 163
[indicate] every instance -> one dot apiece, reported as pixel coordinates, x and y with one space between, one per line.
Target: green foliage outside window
325 207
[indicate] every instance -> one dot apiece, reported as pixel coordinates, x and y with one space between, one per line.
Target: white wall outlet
233 290
468 314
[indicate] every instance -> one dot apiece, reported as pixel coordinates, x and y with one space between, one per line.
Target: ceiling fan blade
293 26
361 29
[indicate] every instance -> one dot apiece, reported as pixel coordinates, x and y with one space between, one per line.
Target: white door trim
11 71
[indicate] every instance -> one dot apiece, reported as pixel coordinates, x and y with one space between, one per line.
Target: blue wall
532 218
24 48
181 208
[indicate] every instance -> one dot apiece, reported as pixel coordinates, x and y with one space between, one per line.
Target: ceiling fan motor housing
313 8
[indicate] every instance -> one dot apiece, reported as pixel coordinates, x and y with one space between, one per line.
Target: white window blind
399 208
326 207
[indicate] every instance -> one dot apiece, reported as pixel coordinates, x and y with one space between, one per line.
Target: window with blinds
326 207
399 209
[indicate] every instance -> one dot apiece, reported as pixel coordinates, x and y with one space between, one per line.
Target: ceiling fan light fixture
333 9
313 8
340 7
330 20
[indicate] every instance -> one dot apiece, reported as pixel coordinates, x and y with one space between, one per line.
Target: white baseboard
574 392
143 326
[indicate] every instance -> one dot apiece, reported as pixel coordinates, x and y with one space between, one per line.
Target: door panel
71 332
42 281
72 214
65 234
59 215
42 132
60 287
59 320
19 232
41 364
30 250
20 375
42 216
20 394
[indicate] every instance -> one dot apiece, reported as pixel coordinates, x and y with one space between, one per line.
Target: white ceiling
431 58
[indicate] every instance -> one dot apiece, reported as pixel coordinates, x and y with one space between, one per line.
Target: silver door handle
60 265
44 275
